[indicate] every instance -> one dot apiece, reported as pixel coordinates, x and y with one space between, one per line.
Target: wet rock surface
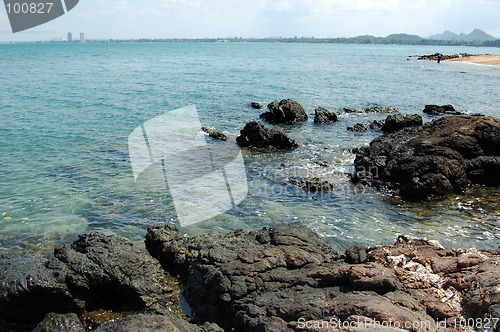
215 134
440 158
256 135
322 115
286 111
279 278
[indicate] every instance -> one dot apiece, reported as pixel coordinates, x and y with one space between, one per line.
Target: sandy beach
482 59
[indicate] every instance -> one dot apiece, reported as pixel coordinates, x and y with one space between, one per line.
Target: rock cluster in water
434 160
275 279
256 135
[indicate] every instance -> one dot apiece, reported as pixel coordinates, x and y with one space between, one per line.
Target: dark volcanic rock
441 110
268 280
94 272
435 160
29 289
287 111
215 134
256 135
358 127
255 105
322 115
399 121
377 124
109 272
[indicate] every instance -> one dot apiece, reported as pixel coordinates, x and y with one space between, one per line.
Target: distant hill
476 35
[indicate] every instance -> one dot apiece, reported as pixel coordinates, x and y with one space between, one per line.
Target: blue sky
104 19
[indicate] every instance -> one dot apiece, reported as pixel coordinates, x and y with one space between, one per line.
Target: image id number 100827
31 8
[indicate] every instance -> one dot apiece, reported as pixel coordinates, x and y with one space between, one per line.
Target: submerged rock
375 109
255 105
432 161
313 185
358 127
215 134
273 279
256 135
286 111
441 110
322 115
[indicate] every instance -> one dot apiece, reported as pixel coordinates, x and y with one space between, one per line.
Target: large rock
443 157
322 115
256 135
399 121
29 289
441 110
277 279
287 111
94 272
109 272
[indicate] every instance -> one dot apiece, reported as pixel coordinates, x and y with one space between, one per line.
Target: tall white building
82 37
70 37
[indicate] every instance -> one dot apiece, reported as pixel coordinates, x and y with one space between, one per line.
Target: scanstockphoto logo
169 154
26 14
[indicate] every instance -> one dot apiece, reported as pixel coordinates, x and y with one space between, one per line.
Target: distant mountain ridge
475 35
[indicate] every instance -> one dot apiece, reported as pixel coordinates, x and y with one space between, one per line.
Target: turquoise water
66 112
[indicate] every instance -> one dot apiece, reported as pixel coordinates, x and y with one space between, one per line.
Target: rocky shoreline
284 278
275 279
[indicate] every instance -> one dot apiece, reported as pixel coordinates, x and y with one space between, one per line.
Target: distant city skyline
128 19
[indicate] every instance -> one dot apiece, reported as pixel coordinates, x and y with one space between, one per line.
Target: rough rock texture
279 278
95 271
215 134
435 160
358 127
322 115
441 110
256 135
399 121
287 111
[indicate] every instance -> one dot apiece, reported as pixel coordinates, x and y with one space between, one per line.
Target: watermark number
29 8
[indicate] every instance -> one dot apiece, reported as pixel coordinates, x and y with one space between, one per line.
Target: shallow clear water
66 112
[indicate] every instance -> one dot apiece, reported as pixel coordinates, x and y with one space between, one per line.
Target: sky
126 19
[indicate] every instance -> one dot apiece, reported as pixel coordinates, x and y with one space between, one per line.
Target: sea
67 110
